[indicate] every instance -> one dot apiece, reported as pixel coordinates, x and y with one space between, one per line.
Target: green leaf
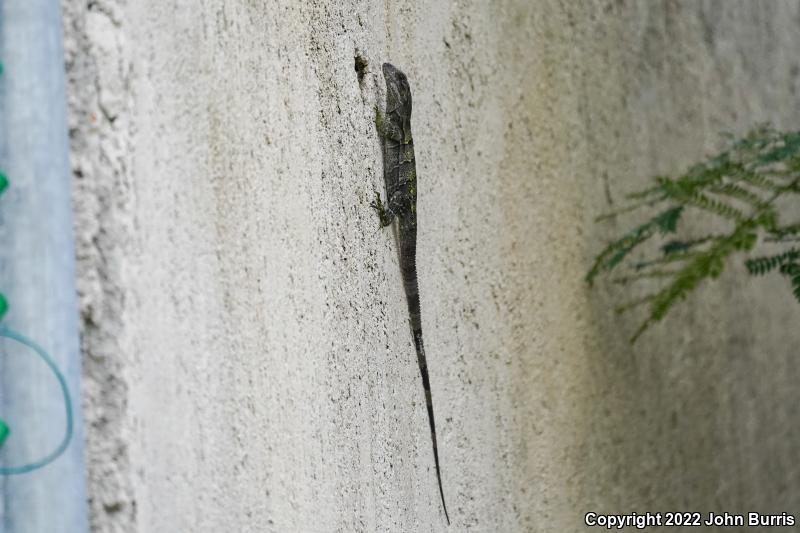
785 231
615 252
791 144
796 287
758 266
676 246
667 221
738 192
759 180
715 206
749 184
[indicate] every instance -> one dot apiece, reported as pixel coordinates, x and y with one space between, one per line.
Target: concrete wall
248 364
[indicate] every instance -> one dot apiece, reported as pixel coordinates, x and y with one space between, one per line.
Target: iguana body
400 174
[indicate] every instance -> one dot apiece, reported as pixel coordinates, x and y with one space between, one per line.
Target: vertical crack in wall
98 100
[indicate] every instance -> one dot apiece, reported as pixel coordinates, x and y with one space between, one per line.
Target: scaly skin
400 175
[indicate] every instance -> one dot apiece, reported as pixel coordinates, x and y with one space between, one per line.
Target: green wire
3 304
13 335
52 456
3 431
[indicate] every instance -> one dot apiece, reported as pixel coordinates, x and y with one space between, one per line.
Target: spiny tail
423 368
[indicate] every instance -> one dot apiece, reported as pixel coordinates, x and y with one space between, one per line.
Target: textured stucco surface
248 365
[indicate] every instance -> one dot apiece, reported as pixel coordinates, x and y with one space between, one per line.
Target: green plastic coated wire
22 339
52 456
3 432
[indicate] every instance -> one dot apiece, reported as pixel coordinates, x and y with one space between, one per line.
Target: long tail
423 368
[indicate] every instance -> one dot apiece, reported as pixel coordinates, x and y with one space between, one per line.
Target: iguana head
398 93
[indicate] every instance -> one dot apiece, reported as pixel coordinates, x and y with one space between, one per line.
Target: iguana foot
385 215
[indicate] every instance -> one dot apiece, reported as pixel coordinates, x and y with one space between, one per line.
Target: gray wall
248 363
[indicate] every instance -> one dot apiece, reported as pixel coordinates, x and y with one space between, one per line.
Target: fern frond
744 184
791 187
790 233
707 264
754 140
697 178
792 229
687 190
793 164
616 251
792 271
758 266
796 287
740 193
766 218
789 145
743 240
790 268
759 180
715 206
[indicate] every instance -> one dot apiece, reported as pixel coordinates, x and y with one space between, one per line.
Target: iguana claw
383 214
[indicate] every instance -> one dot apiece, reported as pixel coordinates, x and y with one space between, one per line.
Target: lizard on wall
400 175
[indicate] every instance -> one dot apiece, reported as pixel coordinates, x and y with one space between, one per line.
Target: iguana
400 176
